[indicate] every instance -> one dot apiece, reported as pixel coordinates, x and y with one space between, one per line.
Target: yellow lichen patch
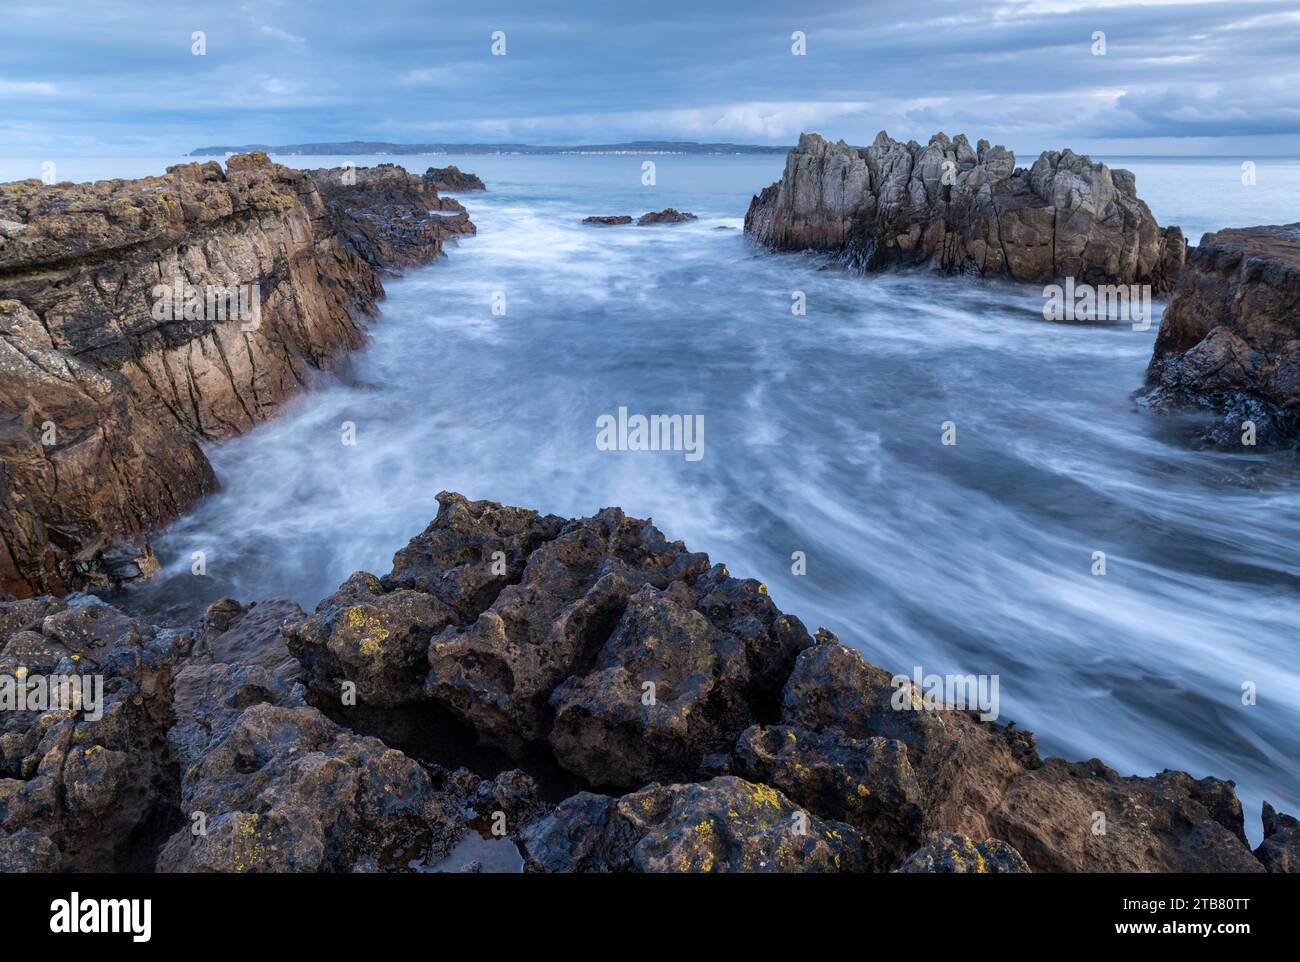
764 795
360 620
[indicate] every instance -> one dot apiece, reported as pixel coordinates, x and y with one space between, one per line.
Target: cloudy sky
83 77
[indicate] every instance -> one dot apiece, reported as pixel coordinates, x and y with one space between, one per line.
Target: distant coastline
374 148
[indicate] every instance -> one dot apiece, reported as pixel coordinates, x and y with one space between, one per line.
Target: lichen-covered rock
667 690
724 825
93 774
868 783
1085 817
498 673
1280 850
1229 340
26 851
961 764
968 210
949 854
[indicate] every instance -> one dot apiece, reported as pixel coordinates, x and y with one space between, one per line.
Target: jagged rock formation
140 317
712 732
392 219
452 179
966 209
1229 340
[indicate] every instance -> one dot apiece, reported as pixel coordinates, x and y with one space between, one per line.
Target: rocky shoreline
140 318
702 730
1229 340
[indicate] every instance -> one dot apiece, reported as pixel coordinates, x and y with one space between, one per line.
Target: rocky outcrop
452 179
608 220
701 729
948 854
963 209
669 215
634 662
1229 340
394 220
138 318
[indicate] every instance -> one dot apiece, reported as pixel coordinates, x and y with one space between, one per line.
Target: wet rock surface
669 215
141 317
1229 340
964 209
608 220
701 730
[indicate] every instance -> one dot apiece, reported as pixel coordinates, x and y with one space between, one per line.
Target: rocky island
141 317
965 209
643 710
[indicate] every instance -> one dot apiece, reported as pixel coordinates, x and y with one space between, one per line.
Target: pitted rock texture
123 343
948 854
79 793
965 209
723 825
702 730
1229 340
633 661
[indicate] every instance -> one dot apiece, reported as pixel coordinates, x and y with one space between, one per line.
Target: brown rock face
1230 337
641 668
451 179
140 317
967 210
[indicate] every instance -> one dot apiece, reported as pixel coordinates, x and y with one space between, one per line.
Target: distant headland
373 147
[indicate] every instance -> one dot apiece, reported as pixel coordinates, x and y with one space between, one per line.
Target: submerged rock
669 215
962 209
1229 340
610 220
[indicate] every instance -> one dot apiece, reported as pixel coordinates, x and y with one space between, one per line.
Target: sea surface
822 436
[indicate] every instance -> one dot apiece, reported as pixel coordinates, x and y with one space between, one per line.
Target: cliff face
969 210
724 736
1229 340
140 317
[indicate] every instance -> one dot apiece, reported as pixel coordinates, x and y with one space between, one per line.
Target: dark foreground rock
697 728
1229 340
141 317
965 209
